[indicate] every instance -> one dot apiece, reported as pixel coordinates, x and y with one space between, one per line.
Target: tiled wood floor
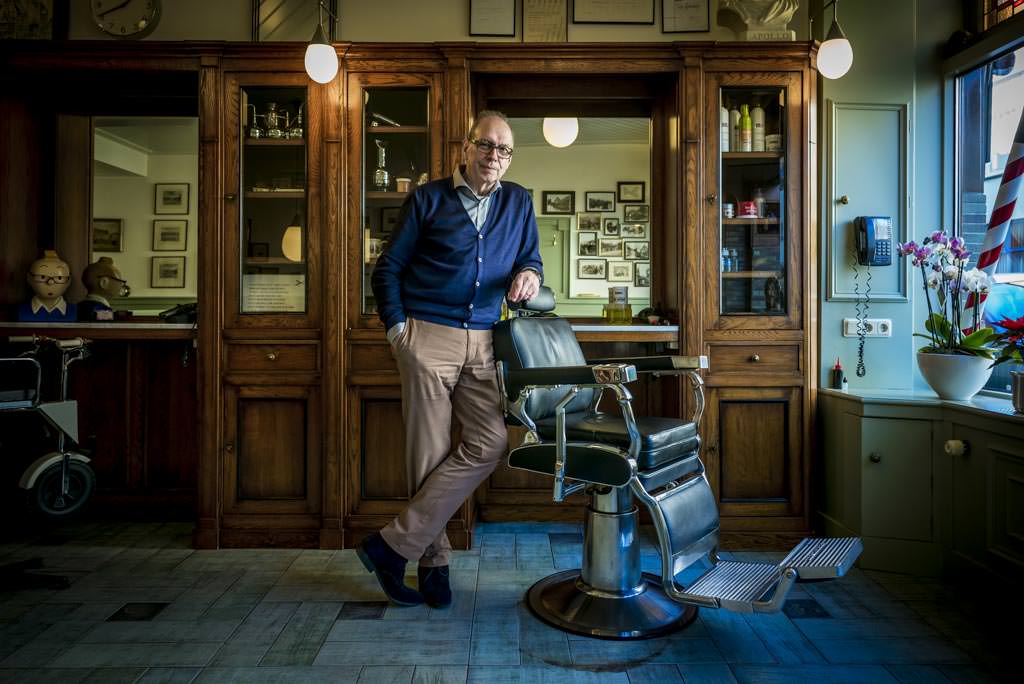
144 607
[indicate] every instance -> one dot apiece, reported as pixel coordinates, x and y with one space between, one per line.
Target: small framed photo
589 220
107 235
591 269
558 201
609 247
631 191
611 227
171 198
636 213
638 250
642 273
170 235
167 272
587 244
620 271
389 219
637 231
600 201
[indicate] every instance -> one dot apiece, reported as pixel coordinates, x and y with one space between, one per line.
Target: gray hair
486 114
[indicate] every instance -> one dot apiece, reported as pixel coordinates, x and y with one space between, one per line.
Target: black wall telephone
874 240
182 313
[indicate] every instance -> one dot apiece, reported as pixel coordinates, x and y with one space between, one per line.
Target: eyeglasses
50 280
486 146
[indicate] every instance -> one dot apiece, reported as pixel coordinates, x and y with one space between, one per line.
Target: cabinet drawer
271 356
755 358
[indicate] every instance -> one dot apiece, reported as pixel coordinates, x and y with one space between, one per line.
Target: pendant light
560 131
321 57
835 55
291 242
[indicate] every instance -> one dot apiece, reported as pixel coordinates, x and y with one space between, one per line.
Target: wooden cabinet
757 256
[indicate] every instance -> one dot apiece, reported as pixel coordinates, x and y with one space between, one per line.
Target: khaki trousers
446 372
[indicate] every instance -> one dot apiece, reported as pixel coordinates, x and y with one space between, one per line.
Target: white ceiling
593 131
153 134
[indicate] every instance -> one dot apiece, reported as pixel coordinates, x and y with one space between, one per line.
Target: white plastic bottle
757 117
759 201
734 127
726 261
724 133
734 260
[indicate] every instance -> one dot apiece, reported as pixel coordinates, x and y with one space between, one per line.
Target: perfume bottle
381 177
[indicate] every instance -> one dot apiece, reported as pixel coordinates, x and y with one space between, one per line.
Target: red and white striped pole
999 223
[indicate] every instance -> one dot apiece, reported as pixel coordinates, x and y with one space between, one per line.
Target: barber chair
551 389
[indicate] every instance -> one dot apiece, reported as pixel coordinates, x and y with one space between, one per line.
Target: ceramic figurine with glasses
49 277
103 281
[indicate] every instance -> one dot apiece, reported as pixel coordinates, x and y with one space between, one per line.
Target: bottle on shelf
734 260
746 130
726 260
734 128
759 202
757 119
724 128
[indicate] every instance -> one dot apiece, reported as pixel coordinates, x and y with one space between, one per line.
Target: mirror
145 208
592 201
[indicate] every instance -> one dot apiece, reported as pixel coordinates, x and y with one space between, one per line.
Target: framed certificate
492 17
545 21
613 11
685 16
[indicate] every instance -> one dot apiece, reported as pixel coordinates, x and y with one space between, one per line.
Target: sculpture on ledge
104 281
49 278
765 19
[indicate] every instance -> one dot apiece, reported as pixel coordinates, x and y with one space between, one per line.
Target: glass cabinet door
396 158
273 200
752 191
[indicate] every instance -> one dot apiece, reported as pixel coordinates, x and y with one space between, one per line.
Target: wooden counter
103 331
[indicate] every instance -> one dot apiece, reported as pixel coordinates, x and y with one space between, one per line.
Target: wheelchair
549 387
60 482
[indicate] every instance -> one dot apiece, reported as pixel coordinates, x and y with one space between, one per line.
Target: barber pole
999 223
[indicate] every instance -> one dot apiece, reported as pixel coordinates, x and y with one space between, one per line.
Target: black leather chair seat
663 440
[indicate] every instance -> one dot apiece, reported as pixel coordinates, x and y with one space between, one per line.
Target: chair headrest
542 302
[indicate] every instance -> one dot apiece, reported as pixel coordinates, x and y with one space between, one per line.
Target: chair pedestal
609 596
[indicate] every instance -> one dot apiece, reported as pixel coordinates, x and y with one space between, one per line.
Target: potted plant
1009 342
956 362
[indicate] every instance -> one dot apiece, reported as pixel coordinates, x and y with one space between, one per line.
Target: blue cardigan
438 268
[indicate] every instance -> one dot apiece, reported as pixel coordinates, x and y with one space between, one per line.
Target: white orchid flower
933 280
950 272
976 280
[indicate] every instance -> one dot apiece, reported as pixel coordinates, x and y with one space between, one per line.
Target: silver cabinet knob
844 199
756 358
272 356
875 457
957 447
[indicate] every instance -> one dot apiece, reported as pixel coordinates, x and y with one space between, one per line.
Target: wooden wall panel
272 449
383 451
754 449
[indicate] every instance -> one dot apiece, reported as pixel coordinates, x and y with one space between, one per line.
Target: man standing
462 243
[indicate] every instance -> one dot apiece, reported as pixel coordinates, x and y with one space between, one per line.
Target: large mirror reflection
144 232
592 200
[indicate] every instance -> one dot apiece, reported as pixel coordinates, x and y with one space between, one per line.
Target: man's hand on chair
524 286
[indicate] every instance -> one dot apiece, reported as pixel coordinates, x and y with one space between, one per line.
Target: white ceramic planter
954 376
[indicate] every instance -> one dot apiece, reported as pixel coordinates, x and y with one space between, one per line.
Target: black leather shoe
434 586
389 567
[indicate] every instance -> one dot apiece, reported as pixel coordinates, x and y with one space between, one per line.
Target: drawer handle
272 356
756 358
875 457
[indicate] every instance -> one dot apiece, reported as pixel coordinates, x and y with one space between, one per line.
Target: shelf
395 129
744 274
749 221
271 261
375 195
752 155
275 142
276 194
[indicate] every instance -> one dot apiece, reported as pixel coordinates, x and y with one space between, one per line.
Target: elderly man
462 243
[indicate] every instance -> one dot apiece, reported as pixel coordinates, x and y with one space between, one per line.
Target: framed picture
600 201
167 272
170 235
631 191
642 273
685 16
636 213
389 219
171 198
611 227
590 220
558 201
609 247
492 17
259 250
545 21
604 12
620 271
639 250
107 235
591 269
637 231
587 244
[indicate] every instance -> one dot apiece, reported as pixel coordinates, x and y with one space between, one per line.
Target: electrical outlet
873 327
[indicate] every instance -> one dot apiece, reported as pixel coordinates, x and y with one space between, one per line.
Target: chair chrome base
564 601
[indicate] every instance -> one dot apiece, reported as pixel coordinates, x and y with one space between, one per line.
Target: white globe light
561 131
321 58
835 56
291 243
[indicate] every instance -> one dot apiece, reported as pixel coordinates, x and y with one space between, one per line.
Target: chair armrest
595 374
659 364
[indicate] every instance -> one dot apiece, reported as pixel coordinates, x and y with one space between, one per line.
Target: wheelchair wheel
48 501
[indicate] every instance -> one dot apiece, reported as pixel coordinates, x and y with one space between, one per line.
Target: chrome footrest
823 558
735 585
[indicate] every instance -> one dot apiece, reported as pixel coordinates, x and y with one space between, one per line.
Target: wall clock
126 18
